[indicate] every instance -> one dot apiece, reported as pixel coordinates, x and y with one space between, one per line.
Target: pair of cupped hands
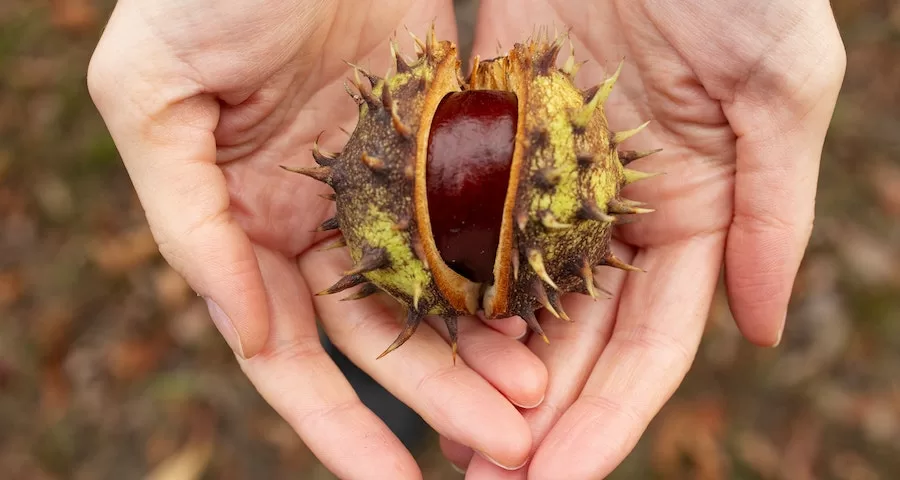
205 99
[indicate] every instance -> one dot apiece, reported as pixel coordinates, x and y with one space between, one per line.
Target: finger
511 326
781 125
658 327
162 125
297 377
498 27
504 362
458 455
570 356
455 400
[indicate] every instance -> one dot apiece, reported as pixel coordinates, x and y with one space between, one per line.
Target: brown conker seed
470 152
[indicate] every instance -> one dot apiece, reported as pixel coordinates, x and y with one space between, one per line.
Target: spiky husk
561 205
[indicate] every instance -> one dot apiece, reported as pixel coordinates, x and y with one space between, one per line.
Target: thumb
162 124
781 117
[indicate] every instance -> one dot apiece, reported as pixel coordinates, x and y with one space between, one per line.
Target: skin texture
204 99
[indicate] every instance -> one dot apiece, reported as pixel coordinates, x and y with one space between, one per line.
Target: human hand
205 100
740 96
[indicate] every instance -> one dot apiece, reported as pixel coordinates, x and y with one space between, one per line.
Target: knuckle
301 350
778 230
838 60
170 250
754 223
183 246
828 70
802 72
100 72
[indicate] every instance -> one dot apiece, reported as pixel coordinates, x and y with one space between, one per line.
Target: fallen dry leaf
11 287
759 453
870 259
124 252
815 337
134 358
885 177
54 196
851 466
5 162
834 402
818 274
278 433
894 16
191 325
51 329
879 419
36 71
722 339
56 391
691 430
172 290
52 333
74 14
17 462
6 374
802 449
160 445
189 463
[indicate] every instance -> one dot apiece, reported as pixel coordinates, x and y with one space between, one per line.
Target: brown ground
109 367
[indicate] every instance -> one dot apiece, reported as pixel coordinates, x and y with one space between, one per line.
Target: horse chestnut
496 193
470 151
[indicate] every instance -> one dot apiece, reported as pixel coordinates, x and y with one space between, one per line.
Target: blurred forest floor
110 368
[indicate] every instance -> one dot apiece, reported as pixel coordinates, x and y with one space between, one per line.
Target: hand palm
279 123
611 371
274 120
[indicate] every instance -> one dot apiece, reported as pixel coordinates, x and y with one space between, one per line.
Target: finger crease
602 407
435 376
761 222
171 248
645 338
321 413
301 350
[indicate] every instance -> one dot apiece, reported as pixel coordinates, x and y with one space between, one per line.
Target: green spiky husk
569 171
561 205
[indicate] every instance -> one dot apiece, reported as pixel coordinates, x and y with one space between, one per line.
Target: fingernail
529 406
780 331
523 335
225 327
486 457
458 469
